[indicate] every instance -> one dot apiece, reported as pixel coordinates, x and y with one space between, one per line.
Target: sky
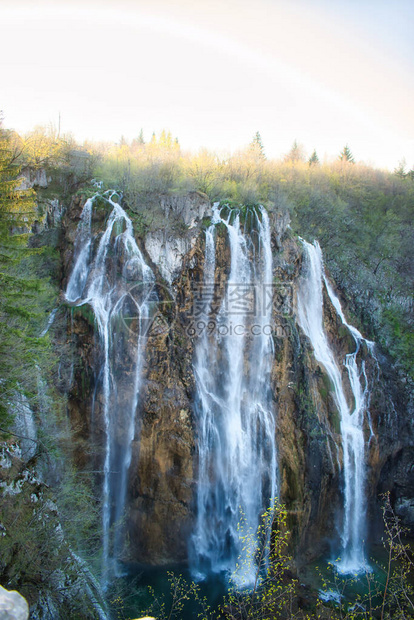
213 72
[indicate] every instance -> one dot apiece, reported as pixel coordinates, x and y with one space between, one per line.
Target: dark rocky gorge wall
162 481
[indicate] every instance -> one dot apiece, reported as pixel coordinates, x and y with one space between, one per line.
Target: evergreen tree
346 155
313 159
400 170
123 141
256 147
164 139
19 294
138 144
296 153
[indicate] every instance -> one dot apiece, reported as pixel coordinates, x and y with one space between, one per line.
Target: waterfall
111 276
82 247
49 323
354 451
237 468
310 315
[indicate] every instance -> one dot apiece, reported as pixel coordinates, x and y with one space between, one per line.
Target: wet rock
13 606
33 178
404 507
24 425
280 222
190 208
397 477
168 251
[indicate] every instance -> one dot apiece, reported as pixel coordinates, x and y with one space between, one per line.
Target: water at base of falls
237 467
110 275
310 314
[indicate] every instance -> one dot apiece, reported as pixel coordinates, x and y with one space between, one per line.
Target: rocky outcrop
167 252
24 425
397 478
189 209
167 247
13 606
33 177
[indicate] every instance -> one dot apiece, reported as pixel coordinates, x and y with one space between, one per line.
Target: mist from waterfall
110 275
237 466
310 315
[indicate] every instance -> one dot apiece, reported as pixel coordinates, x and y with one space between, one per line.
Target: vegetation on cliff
47 514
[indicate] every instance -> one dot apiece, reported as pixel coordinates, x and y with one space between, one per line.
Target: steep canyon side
163 472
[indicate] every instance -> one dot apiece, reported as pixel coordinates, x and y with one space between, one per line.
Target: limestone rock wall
161 493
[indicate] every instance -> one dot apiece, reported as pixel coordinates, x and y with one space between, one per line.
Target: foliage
272 593
275 591
257 148
36 553
363 220
388 592
346 155
313 159
43 526
398 594
79 512
296 154
173 606
400 171
22 293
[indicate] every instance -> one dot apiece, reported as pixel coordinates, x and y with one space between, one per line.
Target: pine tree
256 147
400 170
164 139
346 155
19 294
313 159
296 153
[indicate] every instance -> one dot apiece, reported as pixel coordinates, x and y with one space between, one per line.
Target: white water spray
115 281
237 477
310 315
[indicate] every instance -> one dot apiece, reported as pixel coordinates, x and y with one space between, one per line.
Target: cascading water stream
82 248
237 469
115 281
310 315
354 453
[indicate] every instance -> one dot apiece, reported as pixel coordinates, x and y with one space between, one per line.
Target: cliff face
161 487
